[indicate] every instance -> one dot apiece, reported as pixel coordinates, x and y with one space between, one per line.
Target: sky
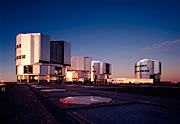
120 32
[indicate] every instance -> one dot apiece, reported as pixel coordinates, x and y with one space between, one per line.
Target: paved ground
30 105
18 105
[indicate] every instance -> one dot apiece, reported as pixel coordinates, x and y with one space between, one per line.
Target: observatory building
148 69
80 69
37 60
100 72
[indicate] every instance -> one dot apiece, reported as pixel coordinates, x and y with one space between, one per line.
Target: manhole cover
86 100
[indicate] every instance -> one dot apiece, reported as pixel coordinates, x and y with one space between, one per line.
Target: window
28 69
18 57
58 70
18 46
23 56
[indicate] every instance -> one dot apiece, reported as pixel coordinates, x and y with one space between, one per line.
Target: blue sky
115 31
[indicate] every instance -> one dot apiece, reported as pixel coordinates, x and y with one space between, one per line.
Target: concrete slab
130 114
53 90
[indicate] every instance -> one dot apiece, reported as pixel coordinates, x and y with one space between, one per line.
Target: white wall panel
36 69
20 69
87 64
18 50
26 49
52 70
36 48
43 70
77 63
45 48
67 53
156 67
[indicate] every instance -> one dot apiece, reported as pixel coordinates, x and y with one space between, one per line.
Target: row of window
20 57
142 71
140 66
28 69
18 46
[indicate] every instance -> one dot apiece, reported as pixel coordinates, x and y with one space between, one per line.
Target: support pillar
38 79
28 79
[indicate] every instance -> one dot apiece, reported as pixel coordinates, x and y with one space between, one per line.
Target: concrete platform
125 108
129 114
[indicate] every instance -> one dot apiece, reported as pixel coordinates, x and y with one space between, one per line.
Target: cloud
167 46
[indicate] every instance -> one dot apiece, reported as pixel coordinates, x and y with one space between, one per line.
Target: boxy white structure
100 72
132 81
33 62
148 69
80 69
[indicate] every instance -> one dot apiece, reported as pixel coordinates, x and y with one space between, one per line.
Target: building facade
33 59
100 72
132 81
148 69
60 52
80 69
